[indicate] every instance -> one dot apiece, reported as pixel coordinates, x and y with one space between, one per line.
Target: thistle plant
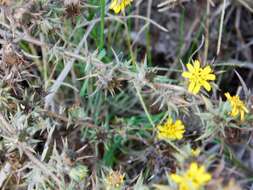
124 94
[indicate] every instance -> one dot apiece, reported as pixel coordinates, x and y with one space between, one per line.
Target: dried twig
4 173
66 70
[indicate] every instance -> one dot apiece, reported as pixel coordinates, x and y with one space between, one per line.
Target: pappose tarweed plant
170 130
198 77
119 5
193 179
237 106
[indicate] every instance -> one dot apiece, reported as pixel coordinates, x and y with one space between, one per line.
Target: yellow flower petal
207 70
178 123
191 87
227 95
196 89
119 5
190 67
178 135
176 178
207 86
196 64
242 115
210 77
245 109
113 4
186 74
205 178
193 167
238 107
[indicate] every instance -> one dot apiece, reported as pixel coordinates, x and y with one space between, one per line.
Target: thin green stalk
148 42
128 38
102 24
181 32
144 106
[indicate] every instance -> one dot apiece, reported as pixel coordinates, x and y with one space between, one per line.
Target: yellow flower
193 179
170 130
115 180
195 152
119 5
198 77
237 106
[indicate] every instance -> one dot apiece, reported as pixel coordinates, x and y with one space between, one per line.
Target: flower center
197 76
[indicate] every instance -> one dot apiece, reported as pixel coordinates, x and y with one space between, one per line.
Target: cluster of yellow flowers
199 77
196 176
193 179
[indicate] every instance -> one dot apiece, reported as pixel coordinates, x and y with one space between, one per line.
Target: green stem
128 39
102 24
148 42
144 107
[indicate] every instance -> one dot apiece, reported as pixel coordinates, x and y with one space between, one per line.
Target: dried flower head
11 56
238 107
119 5
78 173
170 130
193 179
198 77
72 7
